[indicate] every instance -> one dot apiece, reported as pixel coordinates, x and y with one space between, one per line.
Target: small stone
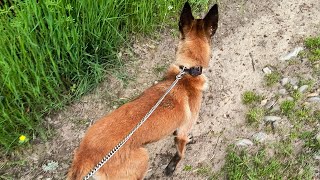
306 104
156 82
314 99
152 46
264 102
244 142
292 54
318 137
295 87
272 118
313 94
317 157
50 166
294 81
284 81
267 70
289 98
259 137
303 88
283 91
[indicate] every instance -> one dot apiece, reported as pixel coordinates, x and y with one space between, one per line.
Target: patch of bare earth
251 35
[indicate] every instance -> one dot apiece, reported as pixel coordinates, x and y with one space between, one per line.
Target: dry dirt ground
250 32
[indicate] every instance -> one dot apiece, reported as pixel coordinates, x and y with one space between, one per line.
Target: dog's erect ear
186 18
211 20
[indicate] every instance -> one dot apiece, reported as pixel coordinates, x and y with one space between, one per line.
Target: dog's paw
191 139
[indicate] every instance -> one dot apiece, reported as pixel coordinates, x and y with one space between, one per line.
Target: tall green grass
52 51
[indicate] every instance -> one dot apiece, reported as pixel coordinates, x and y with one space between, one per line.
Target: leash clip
181 73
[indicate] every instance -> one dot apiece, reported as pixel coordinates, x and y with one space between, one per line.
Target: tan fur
178 112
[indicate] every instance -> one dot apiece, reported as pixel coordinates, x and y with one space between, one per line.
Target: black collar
193 71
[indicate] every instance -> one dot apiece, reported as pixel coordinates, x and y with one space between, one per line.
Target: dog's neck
193 71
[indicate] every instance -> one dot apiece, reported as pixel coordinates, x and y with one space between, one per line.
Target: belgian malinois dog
175 115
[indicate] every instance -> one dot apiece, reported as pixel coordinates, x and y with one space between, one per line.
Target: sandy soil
250 32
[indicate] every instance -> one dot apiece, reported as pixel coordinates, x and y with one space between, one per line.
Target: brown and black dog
177 113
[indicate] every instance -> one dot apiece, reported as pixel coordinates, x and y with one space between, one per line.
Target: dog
175 115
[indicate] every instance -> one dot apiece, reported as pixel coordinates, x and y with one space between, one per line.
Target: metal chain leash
118 146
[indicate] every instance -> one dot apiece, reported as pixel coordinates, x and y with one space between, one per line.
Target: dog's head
195 44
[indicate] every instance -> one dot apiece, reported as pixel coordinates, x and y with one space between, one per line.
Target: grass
272 78
205 170
287 107
292 156
52 52
250 97
254 115
187 168
313 45
260 165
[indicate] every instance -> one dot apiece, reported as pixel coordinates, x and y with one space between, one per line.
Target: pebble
295 87
314 99
283 91
50 166
272 118
267 70
303 88
289 98
292 54
263 102
284 81
313 94
259 137
318 137
294 81
244 142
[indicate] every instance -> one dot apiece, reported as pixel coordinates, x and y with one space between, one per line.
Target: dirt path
250 32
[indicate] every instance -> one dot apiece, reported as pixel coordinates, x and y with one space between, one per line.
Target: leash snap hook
181 73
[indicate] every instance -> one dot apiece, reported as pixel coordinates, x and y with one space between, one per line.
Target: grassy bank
53 51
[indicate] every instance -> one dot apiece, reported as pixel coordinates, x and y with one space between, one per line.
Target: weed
313 45
316 115
260 165
303 114
160 68
187 168
309 82
296 95
272 78
311 141
254 115
204 171
250 97
242 165
287 107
